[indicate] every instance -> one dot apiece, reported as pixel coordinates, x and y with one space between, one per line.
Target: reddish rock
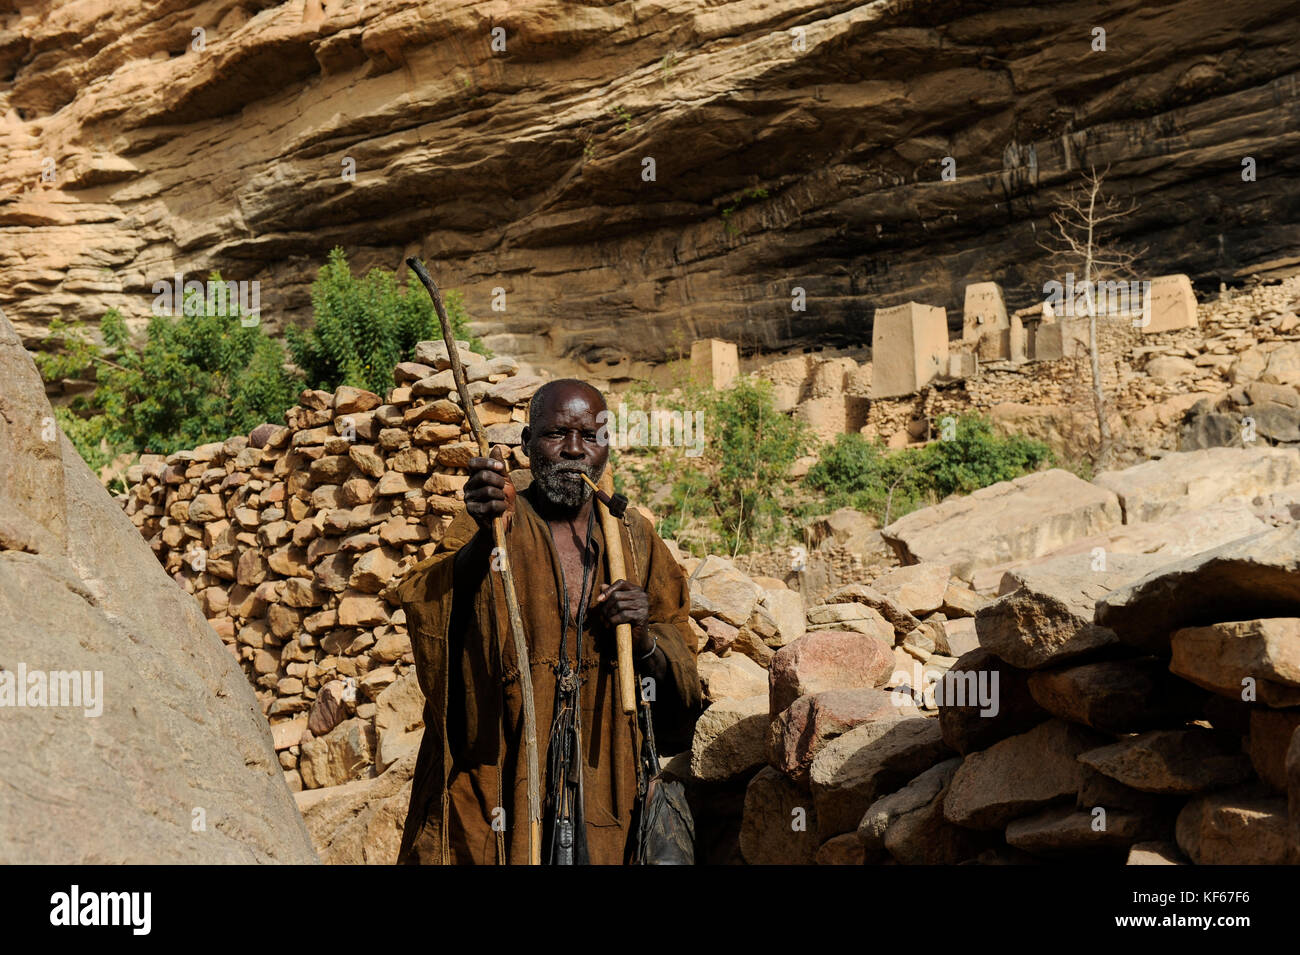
828 660
721 635
798 734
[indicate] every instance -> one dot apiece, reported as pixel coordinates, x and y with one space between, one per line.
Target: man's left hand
623 602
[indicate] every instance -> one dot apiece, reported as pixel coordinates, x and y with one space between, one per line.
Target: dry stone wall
293 538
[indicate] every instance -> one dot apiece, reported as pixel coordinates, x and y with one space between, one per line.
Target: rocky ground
832 685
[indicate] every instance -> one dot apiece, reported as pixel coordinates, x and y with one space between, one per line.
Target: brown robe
471 761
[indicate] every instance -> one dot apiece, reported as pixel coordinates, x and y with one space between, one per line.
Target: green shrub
363 327
735 494
854 472
196 378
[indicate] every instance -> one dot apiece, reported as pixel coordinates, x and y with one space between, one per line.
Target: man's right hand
488 492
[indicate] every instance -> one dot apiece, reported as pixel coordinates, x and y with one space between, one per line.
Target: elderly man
469 800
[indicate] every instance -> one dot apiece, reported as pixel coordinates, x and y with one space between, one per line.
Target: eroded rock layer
782 158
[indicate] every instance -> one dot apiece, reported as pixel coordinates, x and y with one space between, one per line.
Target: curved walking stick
512 600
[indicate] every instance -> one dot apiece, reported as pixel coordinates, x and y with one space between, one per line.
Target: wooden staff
508 580
617 571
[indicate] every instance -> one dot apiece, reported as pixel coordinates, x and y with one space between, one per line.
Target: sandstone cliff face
177 765
522 170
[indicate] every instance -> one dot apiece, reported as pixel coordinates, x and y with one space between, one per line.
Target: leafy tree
197 377
736 492
363 327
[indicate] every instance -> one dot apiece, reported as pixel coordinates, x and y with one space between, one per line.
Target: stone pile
1170 507
1126 714
292 540
795 694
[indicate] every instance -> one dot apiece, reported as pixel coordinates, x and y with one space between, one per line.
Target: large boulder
163 756
1271 732
1116 696
854 770
983 699
1236 827
850 616
1183 535
917 588
360 823
787 611
798 733
1047 615
909 823
399 720
730 739
1190 480
718 589
778 825
342 755
1253 660
1019 775
731 677
924 837
1012 520
902 620
1066 831
1246 579
1172 761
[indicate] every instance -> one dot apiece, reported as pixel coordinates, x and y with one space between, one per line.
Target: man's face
562 444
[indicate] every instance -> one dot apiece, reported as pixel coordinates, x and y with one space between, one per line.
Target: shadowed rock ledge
522 170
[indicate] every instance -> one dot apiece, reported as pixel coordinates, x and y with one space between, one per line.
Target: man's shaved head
556 390
563 440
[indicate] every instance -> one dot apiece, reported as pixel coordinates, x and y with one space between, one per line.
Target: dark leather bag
665 829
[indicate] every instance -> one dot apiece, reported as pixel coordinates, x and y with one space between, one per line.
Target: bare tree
1081 243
